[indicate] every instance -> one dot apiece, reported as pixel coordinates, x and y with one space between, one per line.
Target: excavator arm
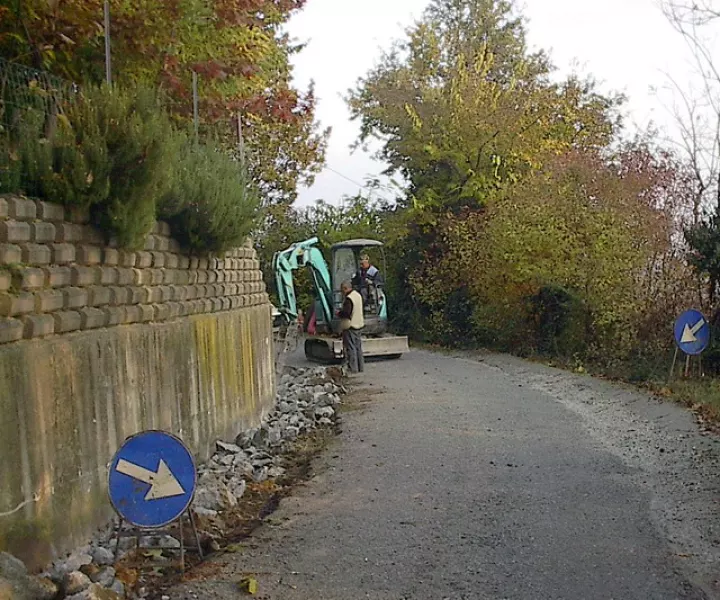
299 255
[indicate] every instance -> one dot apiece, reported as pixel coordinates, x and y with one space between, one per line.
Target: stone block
111 257
230 289
219 290
150 242
171 260
119 296
143 260
153 294
182 277
183 262
3 208
162 312
162 244
49 301
194 264
174 310
207 305
66 321
106 275
158 259
241 289
162 228
75 297
88 255
11 330
16 304
42 233
191 292
202 264
142 277
13 232
126 276
36 254
179 293
147 313
133 314
98 295
57 276
217 304
5 280
220 276
77 215
36 326
202 277
235 302
67 233
169 276
192 277
114 315
84 276
28 278
62 254
137 295
92 318
47 211
157 276
10 254
128 260
21 208
225 303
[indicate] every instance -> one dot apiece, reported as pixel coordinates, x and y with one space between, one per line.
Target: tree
462 109
236 48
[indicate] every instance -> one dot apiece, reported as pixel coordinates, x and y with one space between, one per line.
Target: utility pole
108 58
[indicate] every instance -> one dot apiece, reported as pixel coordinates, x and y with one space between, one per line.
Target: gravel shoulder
490 477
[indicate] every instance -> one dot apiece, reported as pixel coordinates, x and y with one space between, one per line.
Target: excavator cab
345 265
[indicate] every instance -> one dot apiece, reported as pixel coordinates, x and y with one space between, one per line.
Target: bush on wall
117 153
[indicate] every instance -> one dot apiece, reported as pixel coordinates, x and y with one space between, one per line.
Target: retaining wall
97 344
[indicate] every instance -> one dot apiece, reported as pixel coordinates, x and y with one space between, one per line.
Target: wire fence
23 87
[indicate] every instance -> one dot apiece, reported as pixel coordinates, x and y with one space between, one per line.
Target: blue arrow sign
152 479
692 332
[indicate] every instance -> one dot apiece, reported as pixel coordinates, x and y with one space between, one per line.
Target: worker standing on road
352 322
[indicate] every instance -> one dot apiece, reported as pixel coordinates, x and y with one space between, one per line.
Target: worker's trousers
352 344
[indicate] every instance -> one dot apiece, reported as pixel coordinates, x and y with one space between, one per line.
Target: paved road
493 478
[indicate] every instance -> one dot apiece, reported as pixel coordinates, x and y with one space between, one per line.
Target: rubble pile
307 399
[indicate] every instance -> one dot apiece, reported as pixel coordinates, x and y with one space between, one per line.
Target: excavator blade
330 350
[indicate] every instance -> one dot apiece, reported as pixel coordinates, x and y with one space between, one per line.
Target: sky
626 45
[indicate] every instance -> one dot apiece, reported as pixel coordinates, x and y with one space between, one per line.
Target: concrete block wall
56 276
97 344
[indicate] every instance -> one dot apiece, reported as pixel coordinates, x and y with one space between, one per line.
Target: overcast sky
627 45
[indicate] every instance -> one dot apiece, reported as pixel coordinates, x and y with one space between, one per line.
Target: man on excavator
368 274
352 322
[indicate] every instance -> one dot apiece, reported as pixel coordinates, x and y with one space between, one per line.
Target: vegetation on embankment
532 222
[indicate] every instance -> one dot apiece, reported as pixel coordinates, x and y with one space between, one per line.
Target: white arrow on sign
688 336
163 484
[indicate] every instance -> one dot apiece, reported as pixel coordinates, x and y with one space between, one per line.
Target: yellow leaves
249 585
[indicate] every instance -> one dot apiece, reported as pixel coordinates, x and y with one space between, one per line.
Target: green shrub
117 153
211 205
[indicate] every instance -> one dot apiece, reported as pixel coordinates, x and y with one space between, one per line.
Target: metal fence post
108 57
196 115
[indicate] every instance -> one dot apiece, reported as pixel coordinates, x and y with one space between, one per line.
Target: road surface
494 478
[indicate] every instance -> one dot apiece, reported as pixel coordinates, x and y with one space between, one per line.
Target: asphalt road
493 478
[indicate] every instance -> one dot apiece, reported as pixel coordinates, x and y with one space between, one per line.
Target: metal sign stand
138 532
692 337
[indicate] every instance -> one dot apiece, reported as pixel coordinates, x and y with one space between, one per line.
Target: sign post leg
687 366
197 536
672 367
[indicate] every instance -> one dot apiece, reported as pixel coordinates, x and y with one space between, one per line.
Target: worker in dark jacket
367 275
352 321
